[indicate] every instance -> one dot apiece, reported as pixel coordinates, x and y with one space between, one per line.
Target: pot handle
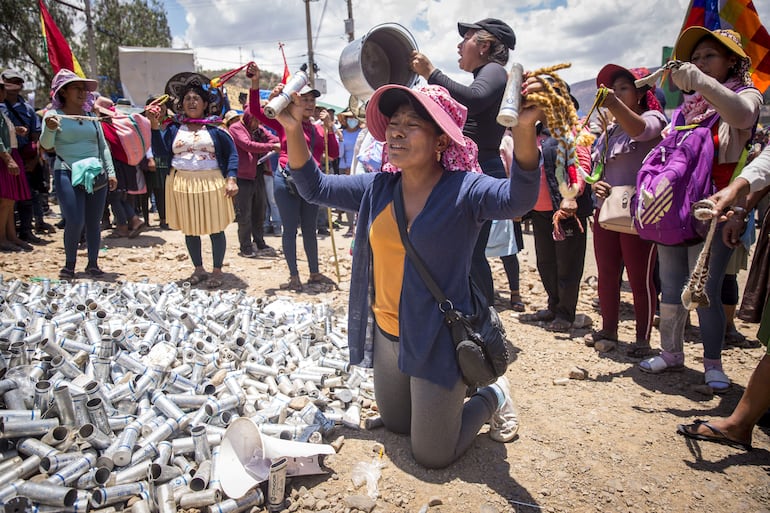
398 26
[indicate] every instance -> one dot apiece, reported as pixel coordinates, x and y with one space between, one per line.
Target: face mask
352 122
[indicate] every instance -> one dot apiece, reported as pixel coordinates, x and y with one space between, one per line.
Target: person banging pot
483 51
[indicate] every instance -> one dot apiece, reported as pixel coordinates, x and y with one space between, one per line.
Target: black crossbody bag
482 349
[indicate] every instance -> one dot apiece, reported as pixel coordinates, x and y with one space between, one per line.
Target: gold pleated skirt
196 203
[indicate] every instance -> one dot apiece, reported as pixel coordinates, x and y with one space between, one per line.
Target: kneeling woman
201 183
417 380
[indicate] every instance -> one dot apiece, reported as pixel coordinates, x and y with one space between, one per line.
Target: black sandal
66 274
94 271
717 435
516 304
197 278
214 283
319 278
293 284
539 316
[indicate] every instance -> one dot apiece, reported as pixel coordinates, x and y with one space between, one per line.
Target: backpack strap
138 131
741 162
678 121
12 112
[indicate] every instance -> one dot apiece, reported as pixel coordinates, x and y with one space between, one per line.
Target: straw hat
231 116
690 38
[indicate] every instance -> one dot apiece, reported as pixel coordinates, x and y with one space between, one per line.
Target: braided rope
160 100
694 294
596 174
80 117
561 117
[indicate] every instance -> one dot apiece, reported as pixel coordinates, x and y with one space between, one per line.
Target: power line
320 21
236 44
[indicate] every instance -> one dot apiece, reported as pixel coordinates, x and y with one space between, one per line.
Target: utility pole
349 22
310 60
90 39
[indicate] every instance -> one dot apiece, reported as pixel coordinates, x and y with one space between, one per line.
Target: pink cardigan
249 150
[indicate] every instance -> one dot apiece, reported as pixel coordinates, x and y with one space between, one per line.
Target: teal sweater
76 141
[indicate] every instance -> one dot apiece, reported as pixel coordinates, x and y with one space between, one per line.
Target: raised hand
153 114
53 122
421 65
252 71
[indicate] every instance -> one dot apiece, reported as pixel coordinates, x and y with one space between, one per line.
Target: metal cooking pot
380 57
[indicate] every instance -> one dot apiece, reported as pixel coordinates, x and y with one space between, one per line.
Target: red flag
286 72
741 16
59 53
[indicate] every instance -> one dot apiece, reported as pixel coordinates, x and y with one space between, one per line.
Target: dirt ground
606 443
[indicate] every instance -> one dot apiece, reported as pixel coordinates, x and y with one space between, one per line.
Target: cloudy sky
585 33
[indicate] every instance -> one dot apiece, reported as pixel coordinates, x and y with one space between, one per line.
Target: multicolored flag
59 53
741 16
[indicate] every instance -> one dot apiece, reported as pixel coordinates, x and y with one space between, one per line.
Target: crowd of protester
208 167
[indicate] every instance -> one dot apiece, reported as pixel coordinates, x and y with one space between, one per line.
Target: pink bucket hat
64 77
446 112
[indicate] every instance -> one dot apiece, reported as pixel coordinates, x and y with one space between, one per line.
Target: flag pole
90 39
329 214
286 73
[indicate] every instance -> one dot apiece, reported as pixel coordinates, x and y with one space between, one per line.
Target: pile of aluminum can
116 396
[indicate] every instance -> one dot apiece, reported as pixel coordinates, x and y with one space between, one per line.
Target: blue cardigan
224 147
444 234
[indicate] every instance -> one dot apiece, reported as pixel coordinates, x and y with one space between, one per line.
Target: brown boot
120 231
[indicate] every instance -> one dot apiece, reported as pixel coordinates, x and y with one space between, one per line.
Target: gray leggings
441 424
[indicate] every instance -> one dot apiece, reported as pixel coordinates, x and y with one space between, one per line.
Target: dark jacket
447 225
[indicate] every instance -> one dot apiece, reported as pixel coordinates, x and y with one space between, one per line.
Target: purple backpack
674 175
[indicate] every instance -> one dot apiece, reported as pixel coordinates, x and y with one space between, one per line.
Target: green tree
23 46
120 23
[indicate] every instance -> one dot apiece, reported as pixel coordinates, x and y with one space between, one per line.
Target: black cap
497 28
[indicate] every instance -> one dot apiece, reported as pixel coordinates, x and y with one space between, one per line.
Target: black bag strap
444 304
12 112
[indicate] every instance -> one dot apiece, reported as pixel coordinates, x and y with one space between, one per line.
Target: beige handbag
615 212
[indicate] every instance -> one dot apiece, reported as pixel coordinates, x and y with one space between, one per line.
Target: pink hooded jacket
249 150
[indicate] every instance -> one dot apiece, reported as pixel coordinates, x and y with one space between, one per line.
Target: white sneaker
505 422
